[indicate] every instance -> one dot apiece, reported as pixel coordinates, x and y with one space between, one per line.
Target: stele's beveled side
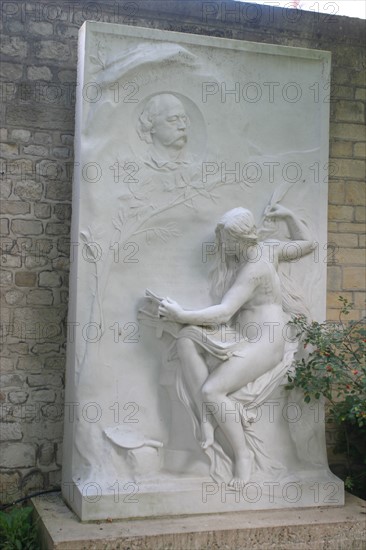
199 229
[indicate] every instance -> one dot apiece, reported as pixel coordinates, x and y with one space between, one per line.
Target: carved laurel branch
162 233
91 246
100 58
185 198
90 243
130 226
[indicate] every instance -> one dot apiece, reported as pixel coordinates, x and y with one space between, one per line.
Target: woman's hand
277 211
171 311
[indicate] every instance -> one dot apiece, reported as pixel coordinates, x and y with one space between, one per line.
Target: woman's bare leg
195 374
229 377
230 424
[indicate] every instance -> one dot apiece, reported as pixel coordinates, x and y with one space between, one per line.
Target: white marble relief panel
174 131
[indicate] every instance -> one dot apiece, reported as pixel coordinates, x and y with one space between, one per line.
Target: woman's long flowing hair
239 225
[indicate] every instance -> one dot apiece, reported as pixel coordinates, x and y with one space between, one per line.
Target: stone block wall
38 82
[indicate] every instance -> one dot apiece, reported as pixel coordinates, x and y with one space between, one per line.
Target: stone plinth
316 528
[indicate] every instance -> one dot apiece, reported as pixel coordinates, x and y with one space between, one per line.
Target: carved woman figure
249 320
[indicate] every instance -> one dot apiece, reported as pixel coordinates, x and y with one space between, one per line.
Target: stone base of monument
172 496
291 529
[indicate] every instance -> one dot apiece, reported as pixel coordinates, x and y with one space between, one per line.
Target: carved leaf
86 236
116 224
102 58
163 233
119 222
122 216
142 211
92 251
95 61
204 193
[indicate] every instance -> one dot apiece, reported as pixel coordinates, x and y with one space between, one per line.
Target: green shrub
17 531
333 366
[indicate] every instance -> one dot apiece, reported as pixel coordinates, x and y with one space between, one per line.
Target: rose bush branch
334 365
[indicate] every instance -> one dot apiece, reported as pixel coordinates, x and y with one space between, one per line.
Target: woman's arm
301 243
240 292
